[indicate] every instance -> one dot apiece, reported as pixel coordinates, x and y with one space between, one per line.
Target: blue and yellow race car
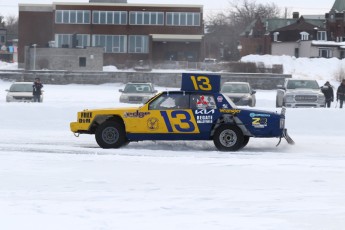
197 112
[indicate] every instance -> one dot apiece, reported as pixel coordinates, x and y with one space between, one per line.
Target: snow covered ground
50 179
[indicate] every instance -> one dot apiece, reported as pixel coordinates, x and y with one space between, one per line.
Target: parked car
300 93
137 93
210 60
20 92
196 112
241 93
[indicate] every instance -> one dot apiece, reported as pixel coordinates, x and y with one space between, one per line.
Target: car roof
300 79
22 82
235 82
146 83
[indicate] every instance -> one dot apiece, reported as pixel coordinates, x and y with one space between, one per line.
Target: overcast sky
10 7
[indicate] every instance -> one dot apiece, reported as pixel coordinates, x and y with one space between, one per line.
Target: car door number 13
179 120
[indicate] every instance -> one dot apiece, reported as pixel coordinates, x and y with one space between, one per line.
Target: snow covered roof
339 5
328 43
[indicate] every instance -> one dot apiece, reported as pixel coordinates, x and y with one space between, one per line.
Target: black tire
110 134
245 141
228 138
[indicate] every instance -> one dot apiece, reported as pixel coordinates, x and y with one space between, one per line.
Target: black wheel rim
110 135
228 138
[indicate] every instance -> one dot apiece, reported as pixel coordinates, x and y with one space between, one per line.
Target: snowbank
331 69
8 66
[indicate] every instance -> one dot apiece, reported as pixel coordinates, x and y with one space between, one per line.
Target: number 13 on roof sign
200 83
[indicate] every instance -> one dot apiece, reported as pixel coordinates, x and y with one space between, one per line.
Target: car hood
121 111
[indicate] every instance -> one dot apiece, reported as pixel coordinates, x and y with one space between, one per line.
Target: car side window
202 101
170 101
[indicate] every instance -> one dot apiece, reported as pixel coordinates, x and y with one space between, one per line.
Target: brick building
127 32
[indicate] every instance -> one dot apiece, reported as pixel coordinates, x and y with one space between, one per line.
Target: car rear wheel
110 134
245 141
228 138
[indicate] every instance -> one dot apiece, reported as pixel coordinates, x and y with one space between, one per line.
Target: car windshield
302 84
21 88
138 88
235 88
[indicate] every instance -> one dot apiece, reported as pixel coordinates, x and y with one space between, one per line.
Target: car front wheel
228 138
110 134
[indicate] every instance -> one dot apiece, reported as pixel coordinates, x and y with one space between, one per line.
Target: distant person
37 90
341 93
327 90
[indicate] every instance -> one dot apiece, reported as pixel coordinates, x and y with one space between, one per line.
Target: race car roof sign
196 82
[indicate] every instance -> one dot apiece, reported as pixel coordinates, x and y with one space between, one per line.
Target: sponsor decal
259 122
259 115
232 111
204 111
204 119
225 106
220 99
202 101
204 115
152 123
135 114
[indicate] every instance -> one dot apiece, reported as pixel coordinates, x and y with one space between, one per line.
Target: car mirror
280 87
253 91
155 91
7 90
121 90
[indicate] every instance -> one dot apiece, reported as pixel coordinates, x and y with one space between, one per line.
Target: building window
111 43
138 44
275 36
146 18
182 19
72 17
304 36
325 53
67 40
82 61
321 35
2 39
109 17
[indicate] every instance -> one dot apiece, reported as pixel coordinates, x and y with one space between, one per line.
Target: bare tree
11 24
223 30
2 23
245 11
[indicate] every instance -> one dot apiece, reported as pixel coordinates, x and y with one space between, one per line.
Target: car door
168 116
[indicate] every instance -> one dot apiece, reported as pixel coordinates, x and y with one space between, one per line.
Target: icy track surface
51 180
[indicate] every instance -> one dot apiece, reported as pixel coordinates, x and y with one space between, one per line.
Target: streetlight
239 47
34 45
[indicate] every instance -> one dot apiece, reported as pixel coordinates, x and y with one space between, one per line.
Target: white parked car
241 93
300 93
137 93
20 92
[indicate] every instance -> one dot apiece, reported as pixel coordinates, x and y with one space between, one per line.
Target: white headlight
289 98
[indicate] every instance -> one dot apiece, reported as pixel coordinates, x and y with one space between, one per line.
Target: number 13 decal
180 120
201 83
